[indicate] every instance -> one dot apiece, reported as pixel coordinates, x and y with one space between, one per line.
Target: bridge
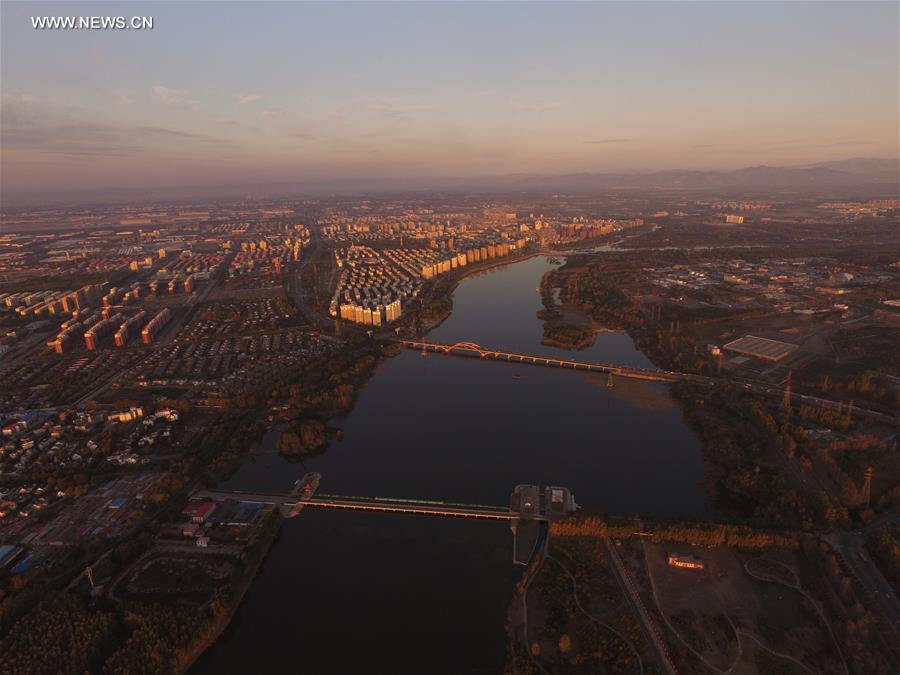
529 508
290 504
528 502
477 351
474 350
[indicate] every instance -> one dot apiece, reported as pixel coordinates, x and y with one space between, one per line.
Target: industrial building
761 348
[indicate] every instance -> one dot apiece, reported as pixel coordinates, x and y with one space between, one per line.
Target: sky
253 92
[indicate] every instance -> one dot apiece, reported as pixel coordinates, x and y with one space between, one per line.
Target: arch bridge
472 349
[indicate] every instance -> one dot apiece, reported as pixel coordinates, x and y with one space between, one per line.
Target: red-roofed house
198 511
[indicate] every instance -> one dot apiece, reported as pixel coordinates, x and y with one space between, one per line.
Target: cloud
539 106
173 97
394 107
802 145
248 98
123 100
19 99
226 121
272 112
175 132
604 141
64 132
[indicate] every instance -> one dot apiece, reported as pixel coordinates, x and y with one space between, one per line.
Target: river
347 593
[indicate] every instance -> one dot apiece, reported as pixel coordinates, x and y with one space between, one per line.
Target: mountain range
848 178
841 173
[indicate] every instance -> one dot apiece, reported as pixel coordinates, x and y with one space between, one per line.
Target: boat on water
308 485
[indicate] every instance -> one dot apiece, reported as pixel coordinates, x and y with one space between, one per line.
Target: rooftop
761 348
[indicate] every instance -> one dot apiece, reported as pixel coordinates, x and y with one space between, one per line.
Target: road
298 292
632 592
796 399
850 547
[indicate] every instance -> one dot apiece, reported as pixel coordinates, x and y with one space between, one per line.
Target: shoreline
462 276
221 624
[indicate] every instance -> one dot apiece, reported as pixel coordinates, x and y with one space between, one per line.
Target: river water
346 593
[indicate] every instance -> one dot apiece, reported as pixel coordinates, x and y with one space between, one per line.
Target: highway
850 547
298 293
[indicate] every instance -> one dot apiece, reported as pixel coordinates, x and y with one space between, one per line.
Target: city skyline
226 96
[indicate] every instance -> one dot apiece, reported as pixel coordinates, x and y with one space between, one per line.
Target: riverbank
256 557
455 279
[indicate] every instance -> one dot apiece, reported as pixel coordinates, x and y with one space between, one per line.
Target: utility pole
786 401
867 487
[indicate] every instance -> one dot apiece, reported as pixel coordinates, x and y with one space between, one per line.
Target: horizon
881 181
440 90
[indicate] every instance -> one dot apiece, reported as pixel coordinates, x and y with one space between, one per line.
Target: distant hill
880 177
843 173
889 168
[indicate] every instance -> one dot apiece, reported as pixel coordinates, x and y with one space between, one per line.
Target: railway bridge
289 504
528 502
529 508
